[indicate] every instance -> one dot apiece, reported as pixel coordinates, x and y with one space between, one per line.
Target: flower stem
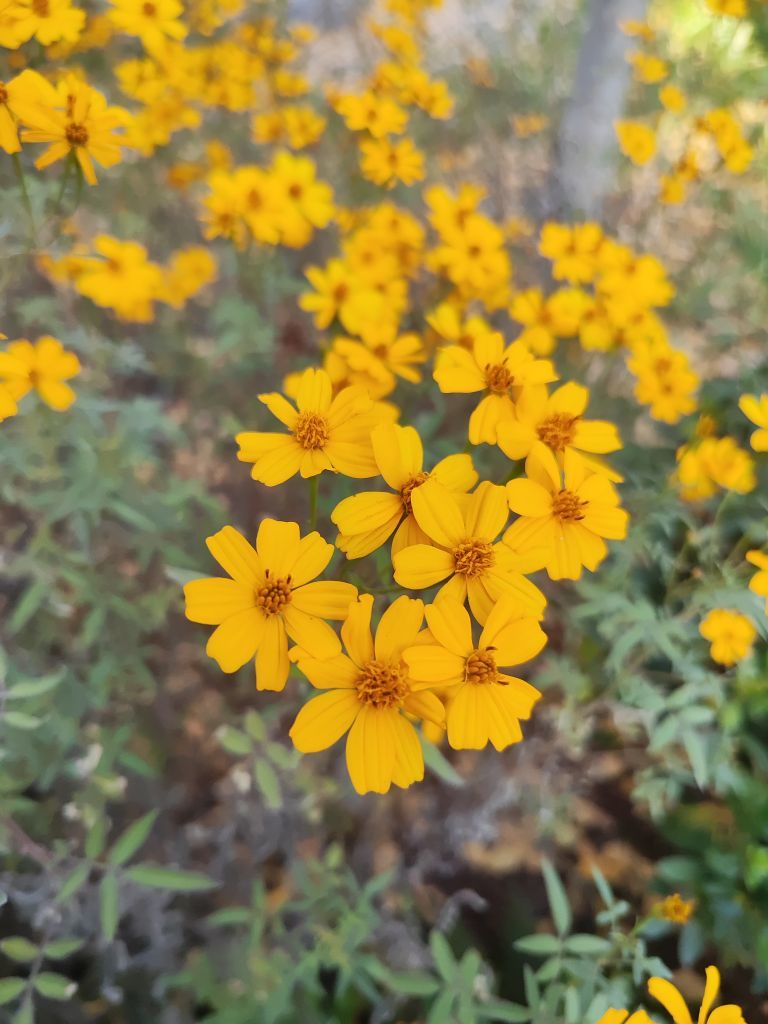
25 195
313 482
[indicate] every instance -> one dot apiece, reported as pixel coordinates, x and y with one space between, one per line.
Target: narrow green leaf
441 1011
73 883
26 1012
33 688
443 955
558 900
234 741
589 945
436 761
60 949
54 986
254 726
229 916
19 949
169 878
10 988
501 1012
132 839
268 783
538 945
109 905
20 720
414 983
96 839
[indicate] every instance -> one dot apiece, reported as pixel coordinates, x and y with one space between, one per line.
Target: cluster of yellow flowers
711 140
664 992
119 276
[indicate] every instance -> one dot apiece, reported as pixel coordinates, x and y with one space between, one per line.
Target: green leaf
170 878
558 900
33 688
696 748
254 726
501 1012
26 1012
229 916
132 839
589 945
538 945
443 955
10 988
234 741
268 783
96 839
73 883
436 761
19 949
60 949
54 986
19 720
109 905
33 598
441 1010
413 983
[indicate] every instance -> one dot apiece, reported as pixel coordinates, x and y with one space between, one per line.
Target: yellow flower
624 1017
326 433
672 1001
154 22
730 633
367 520
560 315
472 256
732 8
484 704
385 163
370 692
462 549
268 599
498 371
642 29
309 201
9 132
637 141
44 366
573 250
756 409
713 462
189 271
73 119
337 289
568 514
648 69
377 115
385 355
675 909
665 380
448 322
125 280
49 21
759 582
672 98
557 421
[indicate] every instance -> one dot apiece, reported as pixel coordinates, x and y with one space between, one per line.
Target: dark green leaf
169 878
132 839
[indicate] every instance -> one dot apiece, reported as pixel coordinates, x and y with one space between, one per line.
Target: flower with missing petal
369 694
462 550
325 433
270 597
484 705
672 1001
367 520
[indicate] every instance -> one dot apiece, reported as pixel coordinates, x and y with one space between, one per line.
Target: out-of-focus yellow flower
386 163
525 125
449 324
666 381
573 250
123 280
188 272
48 21
153 21
639 29
636 141
732 8
377 115
713 463
675 909
758 584
43 366
755 408
672 98
647 68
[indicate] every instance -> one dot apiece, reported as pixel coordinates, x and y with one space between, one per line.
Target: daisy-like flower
388 355
462 549
484 705
672 1001
499 372
367 520
453 327
43 366
269 598
568 512
557 420
153 21
730 634
759 582
755 408
47 20
385 162
370 692
73 119
336 286
573 250
9 132
325 433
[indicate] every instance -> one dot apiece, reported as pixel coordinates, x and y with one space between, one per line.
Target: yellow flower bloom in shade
672 1001
49 21
125 280
44 366
384 357
756 409
337 289
484 704
712 463
73 119
675 909
637 141
557 421
498 371
377 115
672 98
269 598
370 692
648 69
665 380
462 550
386 163
566 513
573 250
730 633
325 433
448 322
759 582
188 272
365 521
154 22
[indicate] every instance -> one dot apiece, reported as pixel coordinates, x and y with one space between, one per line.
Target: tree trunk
586 147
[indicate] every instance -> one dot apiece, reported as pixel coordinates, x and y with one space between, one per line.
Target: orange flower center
296 191
340 292
311 431
473 557
480 667
407 490
76 134
41 8
3 93
557 431
568 507
274 595
498 379
383 684
149 9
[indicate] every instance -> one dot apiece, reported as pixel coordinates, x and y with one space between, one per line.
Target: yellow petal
515 438
409 759
327 599
211 601
500 709
280 408
426 706
398 452
486 512
236 556
398 627
491 412
371 749
367 512
670 999
55 393
277 545
711 989
570 398
311 633
422 566
450 624
337 673
456 473
272 664
277 465
438 514
324 720
314 391
235 641
312 556
597 436
466 720
356 631
515 642
432 664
